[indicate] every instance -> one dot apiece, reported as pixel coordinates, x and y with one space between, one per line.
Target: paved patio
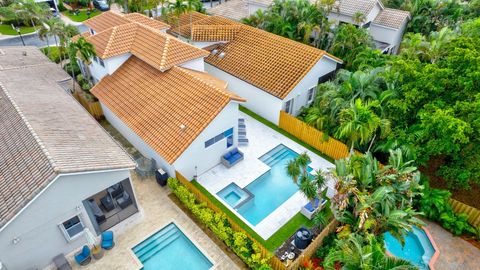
156 211
455 253
261 140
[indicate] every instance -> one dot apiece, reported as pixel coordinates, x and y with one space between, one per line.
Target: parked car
101 5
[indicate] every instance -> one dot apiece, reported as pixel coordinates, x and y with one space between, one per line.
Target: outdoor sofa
231 158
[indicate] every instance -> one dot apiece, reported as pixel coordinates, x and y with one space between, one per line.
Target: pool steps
157 242
271 160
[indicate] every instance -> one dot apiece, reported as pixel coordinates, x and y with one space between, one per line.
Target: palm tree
359 123
85 52
177 8
309 189
359 18
66 32
293 170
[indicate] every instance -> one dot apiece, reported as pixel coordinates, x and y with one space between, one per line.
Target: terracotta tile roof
393 18
182 26
45 132
214 32
144 20
160 50
106 20
350 7
84 34
110 19
232 9
263 59
156 104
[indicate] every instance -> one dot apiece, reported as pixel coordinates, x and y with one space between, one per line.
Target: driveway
455 253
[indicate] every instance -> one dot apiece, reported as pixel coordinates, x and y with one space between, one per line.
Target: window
311 94
289 106
72 227
226 134
92 32
100 61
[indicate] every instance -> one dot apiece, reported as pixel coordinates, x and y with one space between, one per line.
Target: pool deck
156 211
261 140
455 253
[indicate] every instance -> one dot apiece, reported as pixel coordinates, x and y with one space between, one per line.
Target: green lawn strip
276 239
285 133
82 16
6 29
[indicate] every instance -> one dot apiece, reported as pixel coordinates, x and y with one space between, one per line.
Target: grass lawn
277 238
82 16
6 29
283 132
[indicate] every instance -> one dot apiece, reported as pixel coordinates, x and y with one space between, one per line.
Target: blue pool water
272 188
168 249
234 195
417 249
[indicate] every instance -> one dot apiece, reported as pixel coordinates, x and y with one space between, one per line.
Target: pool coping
435 255
180 227
246 200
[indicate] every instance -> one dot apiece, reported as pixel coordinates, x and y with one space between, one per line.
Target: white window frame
289 106
64 230
312 98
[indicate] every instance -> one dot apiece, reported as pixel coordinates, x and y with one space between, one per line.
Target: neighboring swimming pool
268 191
417 249
169 248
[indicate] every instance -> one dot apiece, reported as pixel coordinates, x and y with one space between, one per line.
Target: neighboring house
272 73
386 26
56 164
154 91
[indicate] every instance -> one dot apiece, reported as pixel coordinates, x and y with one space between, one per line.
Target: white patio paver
261 140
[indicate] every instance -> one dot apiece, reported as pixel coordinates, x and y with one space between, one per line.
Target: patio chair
241 120
310 210
83 257
124 200
242 140
107 240
61 262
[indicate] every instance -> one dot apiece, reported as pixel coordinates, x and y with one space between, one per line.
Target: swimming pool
169 248
417 249
269 190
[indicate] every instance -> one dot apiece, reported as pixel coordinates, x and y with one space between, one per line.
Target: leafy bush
76 68
218 223
52 53
61 7
435 205
327 244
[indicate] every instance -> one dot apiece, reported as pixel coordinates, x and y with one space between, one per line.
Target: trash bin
161 177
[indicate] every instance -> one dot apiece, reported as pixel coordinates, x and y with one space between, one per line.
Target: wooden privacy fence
275 263
472 213
93 107
308 253
313 137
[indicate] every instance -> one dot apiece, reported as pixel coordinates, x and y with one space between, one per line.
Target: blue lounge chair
83 258
107 240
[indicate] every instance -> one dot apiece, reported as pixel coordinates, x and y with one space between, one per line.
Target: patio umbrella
91 240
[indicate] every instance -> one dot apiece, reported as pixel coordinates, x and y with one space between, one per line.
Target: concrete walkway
455 253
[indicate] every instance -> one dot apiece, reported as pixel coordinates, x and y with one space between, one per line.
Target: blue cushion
236 156
227 155
234 151
82 256
311 208
107 239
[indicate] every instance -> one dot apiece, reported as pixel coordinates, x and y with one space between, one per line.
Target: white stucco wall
195 64
205 158
337 18
388 35
373 13
258 100
37 226
136 141
111 65
300 92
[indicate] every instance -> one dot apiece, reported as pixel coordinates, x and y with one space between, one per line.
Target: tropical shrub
219 224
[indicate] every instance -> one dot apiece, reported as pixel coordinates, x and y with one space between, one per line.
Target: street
33 39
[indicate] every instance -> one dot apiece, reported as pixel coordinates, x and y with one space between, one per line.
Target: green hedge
218 223
53 55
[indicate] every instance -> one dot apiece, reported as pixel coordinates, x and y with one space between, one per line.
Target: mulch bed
209 233
469 197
